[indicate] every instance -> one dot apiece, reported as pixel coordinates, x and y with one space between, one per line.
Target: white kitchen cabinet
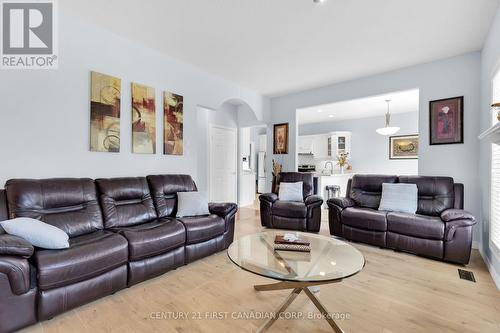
339 142
320 146
305 144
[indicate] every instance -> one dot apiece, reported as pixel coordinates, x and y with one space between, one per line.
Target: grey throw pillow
291 192
37 233
192 204
399 198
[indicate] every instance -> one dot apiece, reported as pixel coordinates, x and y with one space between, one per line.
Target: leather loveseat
440 229
122 231
302 216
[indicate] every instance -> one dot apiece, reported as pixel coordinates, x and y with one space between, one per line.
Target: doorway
223 164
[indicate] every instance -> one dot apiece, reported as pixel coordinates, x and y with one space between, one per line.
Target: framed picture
143 119
105 97
173 124
280 145
403 147
446 121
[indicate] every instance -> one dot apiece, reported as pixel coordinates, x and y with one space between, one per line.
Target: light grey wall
370 150
457 76
490 57
44 126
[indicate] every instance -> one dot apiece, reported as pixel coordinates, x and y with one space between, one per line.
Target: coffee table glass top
330 259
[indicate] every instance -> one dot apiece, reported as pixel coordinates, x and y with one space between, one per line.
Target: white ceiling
280 46
401 102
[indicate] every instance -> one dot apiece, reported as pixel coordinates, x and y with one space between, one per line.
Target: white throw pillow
399 198
192 204
36 232
291 192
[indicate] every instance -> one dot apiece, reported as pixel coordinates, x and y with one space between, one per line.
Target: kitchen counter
339 179
346 174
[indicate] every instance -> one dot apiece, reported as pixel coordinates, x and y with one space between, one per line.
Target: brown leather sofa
302 216
440 229
122 231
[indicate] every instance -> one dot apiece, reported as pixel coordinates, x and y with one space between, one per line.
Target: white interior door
223 164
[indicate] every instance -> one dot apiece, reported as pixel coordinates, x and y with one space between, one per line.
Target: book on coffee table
292 247
280 239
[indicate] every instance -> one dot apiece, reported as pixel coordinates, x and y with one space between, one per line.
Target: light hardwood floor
395 292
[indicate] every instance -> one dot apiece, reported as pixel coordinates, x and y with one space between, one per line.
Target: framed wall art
280 145
104 113
446 121
143 119
173 124
403 147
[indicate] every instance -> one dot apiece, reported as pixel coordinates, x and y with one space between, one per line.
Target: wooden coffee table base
297 287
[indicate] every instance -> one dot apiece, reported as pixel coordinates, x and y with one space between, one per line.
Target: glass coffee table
329 261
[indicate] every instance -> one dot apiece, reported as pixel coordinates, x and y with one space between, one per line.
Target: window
495 175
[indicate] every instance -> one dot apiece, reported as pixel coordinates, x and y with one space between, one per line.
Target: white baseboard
475 245
494 274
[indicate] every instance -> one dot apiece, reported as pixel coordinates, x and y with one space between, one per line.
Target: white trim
209 144
476 245
494 274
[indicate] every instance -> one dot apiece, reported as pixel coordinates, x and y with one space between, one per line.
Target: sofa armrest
222 209
269 197
313 200
17 271
15 246
451 226
341 202
456 214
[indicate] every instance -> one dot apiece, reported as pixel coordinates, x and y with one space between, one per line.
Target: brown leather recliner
440 229
120 235
301 216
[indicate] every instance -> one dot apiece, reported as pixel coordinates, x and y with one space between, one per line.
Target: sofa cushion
37 233
202 228
435 194
88 256
399 198
289 209
294 177
366 190
125 201
365 218
67 203
192 204
422 226
164 190
153 238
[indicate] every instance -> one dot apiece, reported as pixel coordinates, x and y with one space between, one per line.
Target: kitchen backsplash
319 163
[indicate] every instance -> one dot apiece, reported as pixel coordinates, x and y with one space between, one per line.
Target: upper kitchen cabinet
305 145
339 142
325 146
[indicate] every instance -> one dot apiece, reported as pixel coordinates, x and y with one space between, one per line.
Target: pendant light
387 130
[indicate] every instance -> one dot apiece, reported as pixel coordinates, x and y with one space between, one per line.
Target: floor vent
466 275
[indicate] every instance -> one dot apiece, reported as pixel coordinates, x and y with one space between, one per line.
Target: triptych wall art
105 113
105 117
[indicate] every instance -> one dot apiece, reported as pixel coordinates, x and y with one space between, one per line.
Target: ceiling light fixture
330 116
387 130
319 111
319 1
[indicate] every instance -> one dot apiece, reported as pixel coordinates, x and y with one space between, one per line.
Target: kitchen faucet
331 164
